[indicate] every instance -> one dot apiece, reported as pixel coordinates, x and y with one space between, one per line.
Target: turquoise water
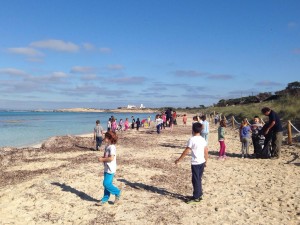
20 129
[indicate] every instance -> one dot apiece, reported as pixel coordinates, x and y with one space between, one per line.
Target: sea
30 128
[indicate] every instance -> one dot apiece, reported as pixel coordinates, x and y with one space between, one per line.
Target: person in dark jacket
275 129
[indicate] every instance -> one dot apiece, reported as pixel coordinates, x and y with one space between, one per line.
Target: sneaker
101 203
194 201
117 199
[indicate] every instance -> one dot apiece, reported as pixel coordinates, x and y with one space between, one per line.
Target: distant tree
201 106
292 89
264 95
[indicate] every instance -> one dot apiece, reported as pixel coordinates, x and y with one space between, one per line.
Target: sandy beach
60 182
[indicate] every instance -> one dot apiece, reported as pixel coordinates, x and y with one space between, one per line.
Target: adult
275 128
168 116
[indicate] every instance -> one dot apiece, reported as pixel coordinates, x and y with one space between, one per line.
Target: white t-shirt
197 144
110 167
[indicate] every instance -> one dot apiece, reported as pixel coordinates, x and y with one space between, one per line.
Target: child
110 165
98 132
184 119
205 128
245 137
114 125
256 128
164 118
158 122
132 122
221 138
121 125
109 124
126 124
199 149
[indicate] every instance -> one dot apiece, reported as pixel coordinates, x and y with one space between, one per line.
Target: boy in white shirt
198 147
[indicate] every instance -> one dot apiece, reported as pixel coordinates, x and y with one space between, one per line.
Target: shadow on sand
153 189
80 194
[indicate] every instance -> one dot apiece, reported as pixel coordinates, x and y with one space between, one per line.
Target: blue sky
106 54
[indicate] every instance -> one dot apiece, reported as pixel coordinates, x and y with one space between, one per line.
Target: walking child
98 132
198 147
110 166
221 138
184 120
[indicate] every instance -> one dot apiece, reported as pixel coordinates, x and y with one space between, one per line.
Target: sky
113 53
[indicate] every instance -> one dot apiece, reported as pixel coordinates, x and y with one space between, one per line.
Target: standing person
276 129
138 123
198 147
98 132
171 124
132 122
109 124
255 128
205 128
216 118
149 120
158 122
126 124
168 116
110 166
184 120
245 136
164 118
174 116
221 138
114 124
121 125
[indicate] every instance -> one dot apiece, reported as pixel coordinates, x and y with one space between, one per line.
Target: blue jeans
197 172
109 188
98 142
158 128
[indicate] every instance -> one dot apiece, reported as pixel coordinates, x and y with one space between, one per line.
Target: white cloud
82 69
88 46
220 77
59 75
12 71
105 50
128 80
56 45
25 51
189 73
89 77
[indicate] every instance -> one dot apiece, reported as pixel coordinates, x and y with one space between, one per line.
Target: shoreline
123 110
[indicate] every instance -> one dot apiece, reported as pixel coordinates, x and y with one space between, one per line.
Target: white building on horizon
134 107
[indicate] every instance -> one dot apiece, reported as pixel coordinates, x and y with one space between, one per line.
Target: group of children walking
197 145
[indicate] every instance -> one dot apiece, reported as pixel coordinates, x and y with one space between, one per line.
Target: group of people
197 145
266 139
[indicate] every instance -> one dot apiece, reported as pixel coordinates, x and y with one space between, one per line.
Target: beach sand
61 182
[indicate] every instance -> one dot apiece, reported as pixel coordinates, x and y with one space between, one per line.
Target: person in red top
174 116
